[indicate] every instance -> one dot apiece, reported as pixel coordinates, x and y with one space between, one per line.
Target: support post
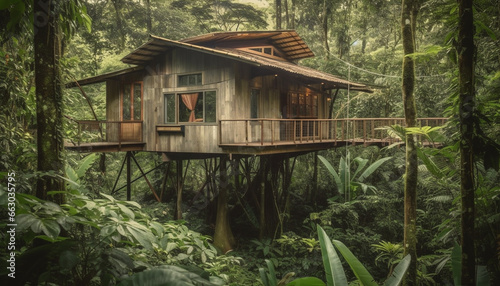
178 205
223 237
127 159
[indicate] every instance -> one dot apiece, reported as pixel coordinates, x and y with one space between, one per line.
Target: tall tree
47 44
408 20
54 21
466 50
277 4
223 237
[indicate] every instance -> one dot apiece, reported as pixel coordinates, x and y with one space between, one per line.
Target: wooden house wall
218 74
112 108
232 81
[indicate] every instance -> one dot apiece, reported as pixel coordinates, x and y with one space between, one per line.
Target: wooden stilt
146 178
129 191
223 237
178 205
119 174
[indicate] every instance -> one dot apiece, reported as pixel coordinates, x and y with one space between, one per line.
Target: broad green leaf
456 264
361 164
366 173
329 167
110 198
272 273
171 275
429 164
50 228
85 164
24 221
399 272
357 267
142 237
482 276
334 271
128 212
263 276
306 281
108 230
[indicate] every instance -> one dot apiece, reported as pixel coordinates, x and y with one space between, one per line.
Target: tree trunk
466 50
223 237
325 30
149 22
287 15
278 14
408 19
47 44
180 184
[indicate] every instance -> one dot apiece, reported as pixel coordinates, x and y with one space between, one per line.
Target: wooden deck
253 136
105 146
287 132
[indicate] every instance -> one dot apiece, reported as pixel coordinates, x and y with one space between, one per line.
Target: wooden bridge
270 132
109 136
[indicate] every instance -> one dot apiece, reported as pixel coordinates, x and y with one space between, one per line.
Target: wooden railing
109 131
305 131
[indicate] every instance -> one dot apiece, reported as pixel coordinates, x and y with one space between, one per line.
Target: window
254 103
191 107
266 50
131 99
190 80
169 108
303 105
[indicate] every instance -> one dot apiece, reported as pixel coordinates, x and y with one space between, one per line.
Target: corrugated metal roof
287 41
227 46
305 74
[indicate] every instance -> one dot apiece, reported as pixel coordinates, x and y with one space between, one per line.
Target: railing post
119 135
272 132
294 131
364 131
220 132
247 136
373 128
261 132
343 129
301 130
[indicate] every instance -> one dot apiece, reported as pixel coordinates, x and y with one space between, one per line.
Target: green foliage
389 253
335 275
334 271
101 239
347 181
482 275
169 275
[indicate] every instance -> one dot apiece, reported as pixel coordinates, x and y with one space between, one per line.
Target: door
131 112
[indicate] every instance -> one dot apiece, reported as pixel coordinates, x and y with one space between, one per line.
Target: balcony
107 136
282 132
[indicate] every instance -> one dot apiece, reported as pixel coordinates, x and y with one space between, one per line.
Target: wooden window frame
302 105
275 53
122 92
178 102
178 84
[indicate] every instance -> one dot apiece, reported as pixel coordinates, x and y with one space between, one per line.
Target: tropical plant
335 274
348 182
99 240
389 253
172 276
334 271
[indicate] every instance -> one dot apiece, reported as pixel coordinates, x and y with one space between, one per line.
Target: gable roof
287 41
225 44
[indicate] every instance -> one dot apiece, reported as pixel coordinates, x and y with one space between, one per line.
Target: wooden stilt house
239 93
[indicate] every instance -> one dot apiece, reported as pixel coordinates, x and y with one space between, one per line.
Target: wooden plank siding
232 82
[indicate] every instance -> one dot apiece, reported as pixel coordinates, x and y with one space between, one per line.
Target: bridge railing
305 131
